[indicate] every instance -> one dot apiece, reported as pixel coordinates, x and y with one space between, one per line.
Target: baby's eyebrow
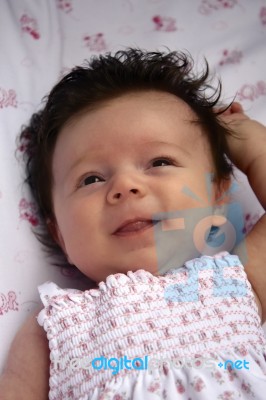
170 144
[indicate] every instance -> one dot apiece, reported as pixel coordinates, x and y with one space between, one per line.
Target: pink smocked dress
191 334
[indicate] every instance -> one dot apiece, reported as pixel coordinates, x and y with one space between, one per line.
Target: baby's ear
222 191
56 235
53 230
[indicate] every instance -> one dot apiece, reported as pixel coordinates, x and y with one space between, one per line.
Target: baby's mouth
135 226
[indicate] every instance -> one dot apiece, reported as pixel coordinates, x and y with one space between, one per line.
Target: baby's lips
133 225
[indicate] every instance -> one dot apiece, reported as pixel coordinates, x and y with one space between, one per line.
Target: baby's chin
130 268
146 260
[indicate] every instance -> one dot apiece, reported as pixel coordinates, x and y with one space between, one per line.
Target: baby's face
116 167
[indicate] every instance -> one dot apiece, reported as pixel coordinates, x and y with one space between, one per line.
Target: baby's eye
162 160
88 180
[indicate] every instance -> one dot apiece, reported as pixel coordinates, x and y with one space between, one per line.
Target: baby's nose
126 186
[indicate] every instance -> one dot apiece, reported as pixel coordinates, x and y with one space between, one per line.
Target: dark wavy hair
102 78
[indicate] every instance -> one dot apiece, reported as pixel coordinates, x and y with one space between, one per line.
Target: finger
236 108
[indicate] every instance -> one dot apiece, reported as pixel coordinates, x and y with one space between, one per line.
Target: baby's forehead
147 116
150 96
144 103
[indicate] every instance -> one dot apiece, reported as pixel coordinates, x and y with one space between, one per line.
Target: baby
124 148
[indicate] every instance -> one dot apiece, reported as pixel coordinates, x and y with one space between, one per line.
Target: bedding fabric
42 40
